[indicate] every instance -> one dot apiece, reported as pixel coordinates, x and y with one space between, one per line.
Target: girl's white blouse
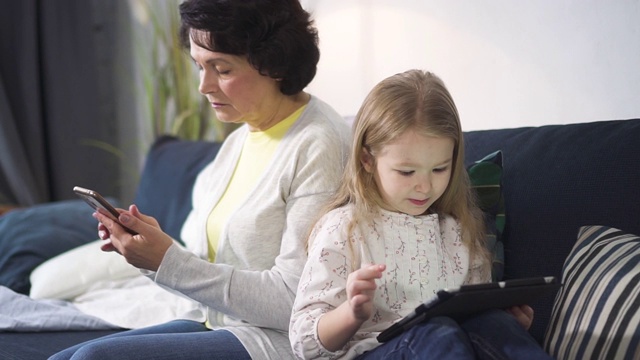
422 254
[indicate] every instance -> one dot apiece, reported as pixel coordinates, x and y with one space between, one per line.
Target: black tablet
466 300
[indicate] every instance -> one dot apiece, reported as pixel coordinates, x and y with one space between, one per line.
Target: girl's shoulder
336 218
448 221
331 230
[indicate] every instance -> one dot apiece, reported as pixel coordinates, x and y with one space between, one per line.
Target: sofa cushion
41 345
596 314
61 278
170 170
29 236
557 178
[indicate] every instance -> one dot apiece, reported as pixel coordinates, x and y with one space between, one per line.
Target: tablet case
459 303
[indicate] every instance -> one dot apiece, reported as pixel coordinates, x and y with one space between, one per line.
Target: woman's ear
366 159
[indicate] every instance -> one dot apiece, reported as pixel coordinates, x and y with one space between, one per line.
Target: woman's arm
265 238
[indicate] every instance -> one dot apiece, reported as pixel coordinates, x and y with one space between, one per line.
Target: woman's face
235 89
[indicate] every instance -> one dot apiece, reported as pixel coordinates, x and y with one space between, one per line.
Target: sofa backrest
170 170
556 179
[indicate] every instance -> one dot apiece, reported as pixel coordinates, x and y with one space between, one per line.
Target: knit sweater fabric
250 288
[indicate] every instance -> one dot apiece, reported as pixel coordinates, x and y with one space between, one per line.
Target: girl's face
412 172
236 90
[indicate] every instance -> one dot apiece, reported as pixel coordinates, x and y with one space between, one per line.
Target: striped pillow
596 313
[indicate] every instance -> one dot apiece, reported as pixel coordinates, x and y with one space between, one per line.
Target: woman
253 205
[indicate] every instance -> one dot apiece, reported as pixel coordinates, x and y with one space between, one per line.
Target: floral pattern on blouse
423 254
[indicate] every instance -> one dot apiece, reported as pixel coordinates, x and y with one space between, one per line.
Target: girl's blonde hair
419 101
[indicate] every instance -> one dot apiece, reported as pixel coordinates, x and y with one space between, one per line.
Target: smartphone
100 204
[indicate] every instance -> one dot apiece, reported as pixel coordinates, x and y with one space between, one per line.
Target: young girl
402 226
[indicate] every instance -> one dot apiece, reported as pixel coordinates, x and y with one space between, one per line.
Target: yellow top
256 153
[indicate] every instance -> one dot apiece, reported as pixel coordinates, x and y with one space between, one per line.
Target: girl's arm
322 292
338 326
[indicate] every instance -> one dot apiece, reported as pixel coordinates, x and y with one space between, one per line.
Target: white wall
507 63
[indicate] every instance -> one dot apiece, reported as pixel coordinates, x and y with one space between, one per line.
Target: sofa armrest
29 236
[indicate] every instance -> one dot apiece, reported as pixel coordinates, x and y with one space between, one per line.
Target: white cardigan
251 288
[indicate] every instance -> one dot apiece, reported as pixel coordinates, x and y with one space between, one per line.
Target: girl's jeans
491 335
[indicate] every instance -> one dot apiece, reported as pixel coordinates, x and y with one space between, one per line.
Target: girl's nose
424 184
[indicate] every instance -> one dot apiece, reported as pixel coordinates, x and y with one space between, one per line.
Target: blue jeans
491 335
180 339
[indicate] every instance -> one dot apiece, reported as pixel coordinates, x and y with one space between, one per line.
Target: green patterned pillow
486 179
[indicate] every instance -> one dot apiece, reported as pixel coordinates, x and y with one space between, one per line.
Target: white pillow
71 273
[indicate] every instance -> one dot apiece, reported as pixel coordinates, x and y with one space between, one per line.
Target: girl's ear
367 160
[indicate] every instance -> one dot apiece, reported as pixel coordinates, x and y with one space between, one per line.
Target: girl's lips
419 202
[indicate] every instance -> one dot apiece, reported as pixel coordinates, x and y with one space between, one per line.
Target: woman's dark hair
277 36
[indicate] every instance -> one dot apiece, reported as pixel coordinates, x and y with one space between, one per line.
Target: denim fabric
176 340
439 338
496 335
493 335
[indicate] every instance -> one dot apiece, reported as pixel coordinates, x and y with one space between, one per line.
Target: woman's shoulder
322 123
319 108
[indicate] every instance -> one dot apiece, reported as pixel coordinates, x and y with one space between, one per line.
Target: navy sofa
555 180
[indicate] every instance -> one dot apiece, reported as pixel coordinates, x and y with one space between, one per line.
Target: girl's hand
144 250
361 286
337 327
523 315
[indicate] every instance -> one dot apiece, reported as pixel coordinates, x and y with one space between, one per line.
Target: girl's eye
440 170
406 173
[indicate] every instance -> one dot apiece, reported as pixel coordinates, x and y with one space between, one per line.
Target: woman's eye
223 72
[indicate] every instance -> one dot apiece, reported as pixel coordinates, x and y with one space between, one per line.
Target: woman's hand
144 250
523 315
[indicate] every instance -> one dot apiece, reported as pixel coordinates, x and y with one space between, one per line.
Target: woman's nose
208 83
